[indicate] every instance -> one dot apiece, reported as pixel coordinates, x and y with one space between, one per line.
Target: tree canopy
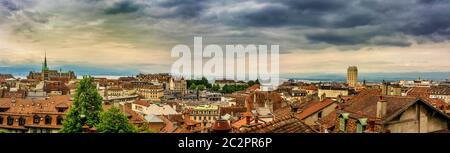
87 105
114 121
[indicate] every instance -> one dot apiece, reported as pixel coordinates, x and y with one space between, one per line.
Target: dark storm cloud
311 22
315 5
421 18
271 16
9 5
184 8
305 13
123 7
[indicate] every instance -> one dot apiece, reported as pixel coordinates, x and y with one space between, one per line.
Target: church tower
45 69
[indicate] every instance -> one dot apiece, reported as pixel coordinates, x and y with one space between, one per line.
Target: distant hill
372 77
23 70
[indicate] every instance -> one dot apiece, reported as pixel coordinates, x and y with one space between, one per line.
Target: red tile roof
287 124
425 92
309 87
261 96
253 88
365 103
142 103
314 108
28 108
328 120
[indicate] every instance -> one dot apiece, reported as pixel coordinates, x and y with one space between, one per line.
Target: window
21 121
48 119
195 117
343 121
1 120
361 125
36 119
10 120
319 115
359 128
342 124
59 120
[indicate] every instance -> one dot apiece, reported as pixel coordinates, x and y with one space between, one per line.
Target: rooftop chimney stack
381 108
248 119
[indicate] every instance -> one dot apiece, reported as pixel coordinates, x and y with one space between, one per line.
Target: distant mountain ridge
23 70
372 77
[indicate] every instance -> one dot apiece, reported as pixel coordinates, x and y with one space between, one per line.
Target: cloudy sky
315 36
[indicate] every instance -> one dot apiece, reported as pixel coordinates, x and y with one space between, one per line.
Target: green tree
193 86
201 87
114 121
225 89
86 108
251 83
204 81
215 87
144 128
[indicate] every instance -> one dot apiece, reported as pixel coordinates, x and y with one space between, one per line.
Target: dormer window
21 121
361 125
48 119
343 121
59 120
36 119
10 120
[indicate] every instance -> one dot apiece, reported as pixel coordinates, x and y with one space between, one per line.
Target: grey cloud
323 23
416 18
184 8
9 5
123 7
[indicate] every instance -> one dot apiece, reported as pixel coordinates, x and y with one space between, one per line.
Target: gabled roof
329 120
365 105
142 103
287 124
315 108
153 119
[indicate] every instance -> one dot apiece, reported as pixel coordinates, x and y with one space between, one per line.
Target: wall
310 120
408 123
332 93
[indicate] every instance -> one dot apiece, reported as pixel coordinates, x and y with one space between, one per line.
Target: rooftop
287 124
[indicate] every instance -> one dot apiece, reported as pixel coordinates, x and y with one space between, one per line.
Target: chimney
248 120
381 107
254 98
248 116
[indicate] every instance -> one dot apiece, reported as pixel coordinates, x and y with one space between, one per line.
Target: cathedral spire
44 65
45 60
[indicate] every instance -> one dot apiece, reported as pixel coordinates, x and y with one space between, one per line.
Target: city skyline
22 72
128 37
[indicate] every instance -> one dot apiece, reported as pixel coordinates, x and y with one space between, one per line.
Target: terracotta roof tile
288 124
142 103
314 108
